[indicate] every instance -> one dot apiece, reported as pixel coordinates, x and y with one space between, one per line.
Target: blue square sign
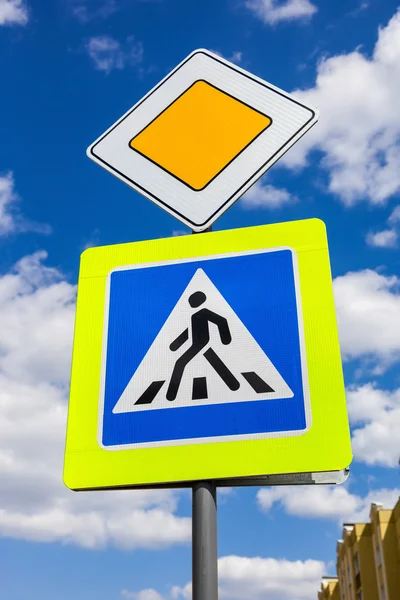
204 350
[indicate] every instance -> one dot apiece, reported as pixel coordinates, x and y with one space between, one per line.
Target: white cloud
325 502
8 198
263 579
36 324
361 8
262 195
37 310
359 129
108 53
85 11
92 240
387 238
375 415
148 594
272 12
310 501
185 592
13 12
368 313
394 218
11 220
235 57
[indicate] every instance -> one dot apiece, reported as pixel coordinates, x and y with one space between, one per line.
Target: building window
378 556
383 595
356 563
358 581
360 595
342 582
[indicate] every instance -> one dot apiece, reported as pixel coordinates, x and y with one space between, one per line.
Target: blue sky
69 69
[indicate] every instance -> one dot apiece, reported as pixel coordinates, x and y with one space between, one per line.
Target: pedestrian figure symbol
200 333
203 354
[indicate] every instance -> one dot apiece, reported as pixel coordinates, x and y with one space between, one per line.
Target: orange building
329 589
368 559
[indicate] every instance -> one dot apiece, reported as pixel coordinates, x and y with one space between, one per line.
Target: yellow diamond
199 134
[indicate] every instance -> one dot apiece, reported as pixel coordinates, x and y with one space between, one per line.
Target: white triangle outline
242 355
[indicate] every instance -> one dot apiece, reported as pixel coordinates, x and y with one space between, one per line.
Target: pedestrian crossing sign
201 373
206 357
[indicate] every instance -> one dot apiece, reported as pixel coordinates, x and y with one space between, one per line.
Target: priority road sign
206 357
198 140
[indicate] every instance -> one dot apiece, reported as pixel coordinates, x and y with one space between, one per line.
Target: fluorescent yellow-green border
324 447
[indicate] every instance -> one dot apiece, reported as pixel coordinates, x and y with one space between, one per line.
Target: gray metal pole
204 536
204 541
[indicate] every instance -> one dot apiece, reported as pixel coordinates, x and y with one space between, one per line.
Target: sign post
211 360
204 541
204 538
